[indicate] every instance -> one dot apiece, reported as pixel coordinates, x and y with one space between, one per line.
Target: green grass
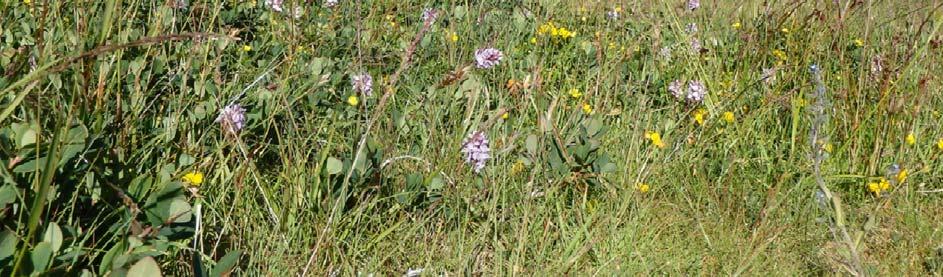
123 94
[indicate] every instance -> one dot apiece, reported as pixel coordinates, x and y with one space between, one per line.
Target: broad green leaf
334 166
146 267
531 144
226 263
53 236
179 211
40 256
7 195
8 241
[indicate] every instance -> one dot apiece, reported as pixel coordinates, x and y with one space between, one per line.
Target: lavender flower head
675 87
696 45
696 91
691 28
612 15
488 57
330 3
232 118
665 54
694 4
275 5
362 83
476 150
429 14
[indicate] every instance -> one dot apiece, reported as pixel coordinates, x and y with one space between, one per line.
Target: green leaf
8 241
7 195
531 144
334 166
226 263
40 256
53 236
146 267
179 210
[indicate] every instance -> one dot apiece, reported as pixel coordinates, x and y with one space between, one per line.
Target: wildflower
696 45
505 115
911 139
780 54
194 178
664 53
564 33
297 12
642 187
859 43
454 37
696 91
246 48
784 30
275 5
476 150
518 167
232 118
362 83
827 147
533 40
694 4
614 13
675 88
429 14
353 100
699 116
729 117
330 3
655 138
28 2
587 109
691 28
488 57
546 28
414 272
736 25
878 187
939 144
575 93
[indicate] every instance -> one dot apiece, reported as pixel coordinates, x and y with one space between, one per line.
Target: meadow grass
114 161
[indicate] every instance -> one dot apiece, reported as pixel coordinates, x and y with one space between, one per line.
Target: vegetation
525 137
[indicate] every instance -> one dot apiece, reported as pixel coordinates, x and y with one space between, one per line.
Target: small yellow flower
246 48
587 109
392 23
784 30
902 176
736 25
193 178
828 148
939 144
619 9
517 167
505 115
859 42
454 37
911 139
781 55
874 188
655 138
353 100
642 187
729 117
699 115
533 40
575 93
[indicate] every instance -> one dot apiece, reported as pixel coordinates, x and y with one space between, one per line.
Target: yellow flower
780 54
885 184
27 2
784 30
939 144
875 188
454 37
353 100
729 117
517 167
575 93
699 116
642 187
194 178
828 148
736 25
859 42
655 138
911 139
902 176
533 40
583 18
587 109
246 48
505 115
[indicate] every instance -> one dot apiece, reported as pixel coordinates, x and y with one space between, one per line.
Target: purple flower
612 15
362 83
330 3
488 57
232 118
665 54
694 4
675 87
691 28
696 45
476 150
429 14
696 91
275 5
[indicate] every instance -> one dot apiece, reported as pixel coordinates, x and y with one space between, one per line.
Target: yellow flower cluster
193 178
655 138
642 187
553 31
878 187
